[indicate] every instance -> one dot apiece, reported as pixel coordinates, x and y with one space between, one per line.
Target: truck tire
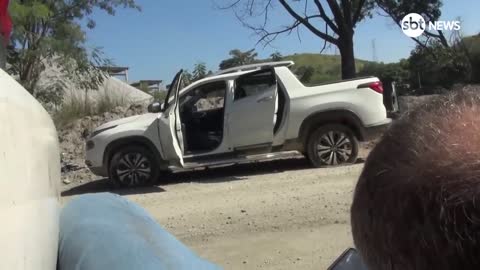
133 166
332 145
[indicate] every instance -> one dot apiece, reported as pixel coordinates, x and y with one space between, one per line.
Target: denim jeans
105 231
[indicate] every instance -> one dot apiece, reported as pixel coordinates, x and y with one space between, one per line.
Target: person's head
417 202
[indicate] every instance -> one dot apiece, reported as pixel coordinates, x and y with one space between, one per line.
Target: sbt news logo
413 25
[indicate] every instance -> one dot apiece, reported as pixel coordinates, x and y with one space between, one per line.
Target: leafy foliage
400 8
471 46
199 71
305 73
327 68
430 11
388 73
48 32
437 65
239 58
159 95
276 56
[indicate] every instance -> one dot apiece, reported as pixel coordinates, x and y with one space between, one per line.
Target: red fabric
5 21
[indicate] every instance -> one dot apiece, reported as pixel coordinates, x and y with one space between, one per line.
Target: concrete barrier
29 181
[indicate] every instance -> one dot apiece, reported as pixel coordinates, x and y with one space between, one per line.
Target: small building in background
120 73
150 86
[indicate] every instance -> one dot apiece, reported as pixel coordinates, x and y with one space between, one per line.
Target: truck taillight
375 86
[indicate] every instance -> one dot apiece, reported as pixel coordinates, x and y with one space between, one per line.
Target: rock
243 211
72 141
66 181
85 133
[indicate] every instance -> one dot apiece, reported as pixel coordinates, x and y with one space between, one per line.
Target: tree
471 47
239 58
199 71
444 68
276 56
334 26
48 32
187 78
388 73
430 11
305 73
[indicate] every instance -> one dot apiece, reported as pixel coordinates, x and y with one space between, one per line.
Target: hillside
473 44
327 67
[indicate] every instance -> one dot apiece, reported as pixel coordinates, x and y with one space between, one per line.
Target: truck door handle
265 99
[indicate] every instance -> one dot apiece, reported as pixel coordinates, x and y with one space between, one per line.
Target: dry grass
76 108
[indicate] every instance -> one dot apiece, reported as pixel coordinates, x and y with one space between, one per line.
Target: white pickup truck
245 113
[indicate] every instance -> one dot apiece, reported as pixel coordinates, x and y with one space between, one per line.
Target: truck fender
344 117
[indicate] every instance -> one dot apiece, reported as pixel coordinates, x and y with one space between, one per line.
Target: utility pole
374 51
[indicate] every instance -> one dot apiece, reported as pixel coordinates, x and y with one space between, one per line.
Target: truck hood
148 117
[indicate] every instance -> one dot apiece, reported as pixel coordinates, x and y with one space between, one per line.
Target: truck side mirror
155 107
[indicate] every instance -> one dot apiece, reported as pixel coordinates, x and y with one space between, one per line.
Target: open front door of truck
170 126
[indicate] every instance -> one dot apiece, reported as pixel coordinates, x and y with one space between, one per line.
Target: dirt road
271 215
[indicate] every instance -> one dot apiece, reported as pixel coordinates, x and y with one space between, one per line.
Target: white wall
29 181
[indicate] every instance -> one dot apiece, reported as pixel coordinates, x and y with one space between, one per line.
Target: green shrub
438 65
159 95
388 73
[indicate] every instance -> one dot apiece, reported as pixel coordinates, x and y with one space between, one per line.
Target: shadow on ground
104 185
209 175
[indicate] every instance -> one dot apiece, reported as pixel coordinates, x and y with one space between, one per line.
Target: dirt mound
72 141
408 103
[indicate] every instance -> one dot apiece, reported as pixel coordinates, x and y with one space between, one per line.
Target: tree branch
325 42
358 12
347 12
337 14
324 16
307 24
440 36
268 37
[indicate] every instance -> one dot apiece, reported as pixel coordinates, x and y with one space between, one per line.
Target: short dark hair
417 203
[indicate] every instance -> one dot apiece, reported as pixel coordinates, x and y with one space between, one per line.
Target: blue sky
168 35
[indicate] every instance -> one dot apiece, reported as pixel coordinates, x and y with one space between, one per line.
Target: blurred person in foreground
417 202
